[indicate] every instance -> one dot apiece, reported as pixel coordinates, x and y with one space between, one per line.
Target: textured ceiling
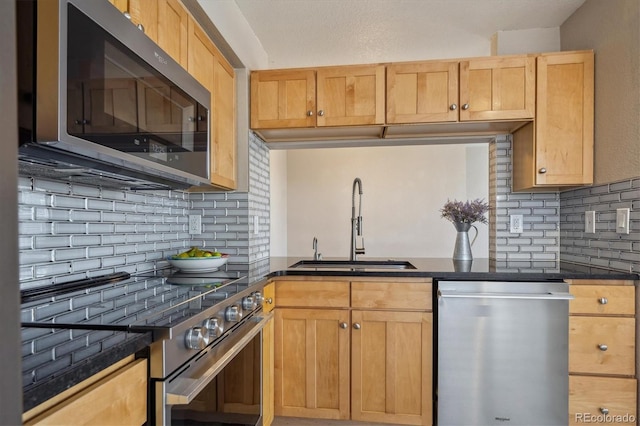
300 33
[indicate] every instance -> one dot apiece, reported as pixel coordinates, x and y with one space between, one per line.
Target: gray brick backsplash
538 244
605 248
70 231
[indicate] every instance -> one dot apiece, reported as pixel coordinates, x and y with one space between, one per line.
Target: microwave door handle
183 390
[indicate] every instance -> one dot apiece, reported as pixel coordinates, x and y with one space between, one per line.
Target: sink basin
357 264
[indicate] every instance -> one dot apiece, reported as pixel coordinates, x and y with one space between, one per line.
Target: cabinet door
145 13
172 29
424 92
392 371
497 88
348 96
312 363
223 124
564 119
281 99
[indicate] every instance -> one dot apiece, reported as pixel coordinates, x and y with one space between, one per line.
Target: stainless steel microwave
100 100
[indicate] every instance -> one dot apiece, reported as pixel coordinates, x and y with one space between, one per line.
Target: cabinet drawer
586 334
602 300
390 295
590 396
334 294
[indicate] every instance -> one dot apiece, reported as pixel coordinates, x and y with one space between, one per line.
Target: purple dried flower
468 212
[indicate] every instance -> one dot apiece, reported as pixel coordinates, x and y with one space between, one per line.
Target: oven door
222 386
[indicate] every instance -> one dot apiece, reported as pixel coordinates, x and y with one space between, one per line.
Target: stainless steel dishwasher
502 353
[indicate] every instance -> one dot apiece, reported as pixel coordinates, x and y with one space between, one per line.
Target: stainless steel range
205 355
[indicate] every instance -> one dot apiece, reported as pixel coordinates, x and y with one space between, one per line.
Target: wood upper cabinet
283 99
497 88
141 12
173 29
557 149
332 96
422 92
208 66
350 96
358 349
391 367
312 363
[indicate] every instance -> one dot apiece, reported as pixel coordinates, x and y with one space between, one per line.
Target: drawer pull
603 301
344 325
604 410
603 347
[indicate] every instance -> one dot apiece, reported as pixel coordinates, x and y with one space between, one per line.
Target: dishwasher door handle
527 296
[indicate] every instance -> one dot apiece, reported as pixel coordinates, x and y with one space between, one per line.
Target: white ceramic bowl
199 264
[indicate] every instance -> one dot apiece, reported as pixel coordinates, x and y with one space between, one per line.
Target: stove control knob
249 303
233 313
259 298
196 338
215 327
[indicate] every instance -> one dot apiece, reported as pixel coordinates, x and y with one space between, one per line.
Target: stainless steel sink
350 264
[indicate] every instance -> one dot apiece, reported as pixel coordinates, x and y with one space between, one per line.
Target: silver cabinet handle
321 113
465 107
344 325
453 107
269 300
356 326
140 27
603 347
542 170
309 113
603 301
604 410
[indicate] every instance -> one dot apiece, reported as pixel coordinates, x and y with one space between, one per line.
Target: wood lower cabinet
117 397
556 150
312 363
358 349
268 355
391 367
602 353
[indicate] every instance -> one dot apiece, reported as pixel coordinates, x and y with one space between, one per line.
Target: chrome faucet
316 255
356 222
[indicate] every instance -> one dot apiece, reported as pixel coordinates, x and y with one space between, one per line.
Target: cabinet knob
321 113
344 325
356 326
603 347
140 27
453 107
604 410
269 300
465 107
309 113
542 170
603 301
127 14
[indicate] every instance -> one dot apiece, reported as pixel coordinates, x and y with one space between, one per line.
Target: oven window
232 398
116 99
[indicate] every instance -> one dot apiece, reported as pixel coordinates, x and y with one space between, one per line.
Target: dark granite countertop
444 268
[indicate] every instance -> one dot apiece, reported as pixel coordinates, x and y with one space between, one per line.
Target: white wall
278 199
404 188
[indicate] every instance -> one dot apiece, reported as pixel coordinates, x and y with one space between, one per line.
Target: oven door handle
183 389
